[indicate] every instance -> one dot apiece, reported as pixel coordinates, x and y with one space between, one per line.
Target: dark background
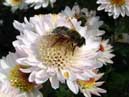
116 75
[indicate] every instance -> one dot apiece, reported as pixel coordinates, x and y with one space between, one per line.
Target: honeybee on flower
57 56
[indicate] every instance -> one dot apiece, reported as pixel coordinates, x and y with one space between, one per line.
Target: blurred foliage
116 76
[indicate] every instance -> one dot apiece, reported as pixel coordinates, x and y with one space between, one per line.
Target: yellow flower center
20 80
16 2
87 84
55 51
118 2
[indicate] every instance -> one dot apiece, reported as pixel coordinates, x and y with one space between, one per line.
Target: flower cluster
62 48
24 4
16 4
40 3
114 8
13 82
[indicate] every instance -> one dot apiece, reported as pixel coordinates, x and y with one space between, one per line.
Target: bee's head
83 20
81 42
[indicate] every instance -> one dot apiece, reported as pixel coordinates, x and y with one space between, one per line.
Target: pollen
118 2
20 80
66 75
54 51
87 84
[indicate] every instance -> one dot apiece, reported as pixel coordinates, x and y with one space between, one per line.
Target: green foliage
64 92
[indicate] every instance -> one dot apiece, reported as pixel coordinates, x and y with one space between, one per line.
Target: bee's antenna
69 19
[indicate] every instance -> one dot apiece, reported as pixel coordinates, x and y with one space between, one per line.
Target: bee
71 35
66 34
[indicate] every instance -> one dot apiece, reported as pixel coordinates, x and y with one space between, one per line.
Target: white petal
32 77
54 82
73 86
86 94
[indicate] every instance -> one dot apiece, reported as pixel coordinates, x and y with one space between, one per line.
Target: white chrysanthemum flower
40 3
90 86
88 19
6 90
16 4
13 82
51 57
114 8
105 53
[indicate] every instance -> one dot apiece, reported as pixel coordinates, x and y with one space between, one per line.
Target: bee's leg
66 48
58 40
53 44
73 49
65 51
